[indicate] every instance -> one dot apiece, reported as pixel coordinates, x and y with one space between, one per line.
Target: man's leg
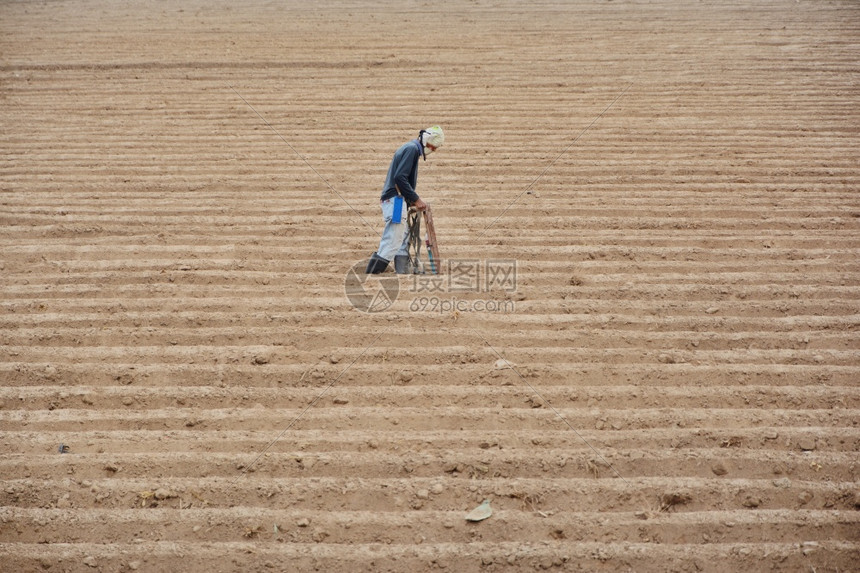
401 257
394 238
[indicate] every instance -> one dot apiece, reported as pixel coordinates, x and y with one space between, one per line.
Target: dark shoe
376 265
402 264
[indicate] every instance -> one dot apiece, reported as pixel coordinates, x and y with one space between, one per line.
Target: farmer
399 188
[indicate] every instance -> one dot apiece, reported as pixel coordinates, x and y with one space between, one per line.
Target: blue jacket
403 173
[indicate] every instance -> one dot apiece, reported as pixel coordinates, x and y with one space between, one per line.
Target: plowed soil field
642 348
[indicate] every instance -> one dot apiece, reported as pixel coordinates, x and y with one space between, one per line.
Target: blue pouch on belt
397 213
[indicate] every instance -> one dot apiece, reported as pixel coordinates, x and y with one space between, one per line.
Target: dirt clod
671 499
807 444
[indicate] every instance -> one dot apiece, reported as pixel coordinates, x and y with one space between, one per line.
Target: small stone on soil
808 547
666 359
752 502
807 444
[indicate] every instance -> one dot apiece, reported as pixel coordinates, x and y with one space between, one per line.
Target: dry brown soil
670 385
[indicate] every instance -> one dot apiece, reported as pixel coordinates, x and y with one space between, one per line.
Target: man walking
399 188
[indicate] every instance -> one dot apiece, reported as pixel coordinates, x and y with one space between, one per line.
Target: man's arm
403 170
417 203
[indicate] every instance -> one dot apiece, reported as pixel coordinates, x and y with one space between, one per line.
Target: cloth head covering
431 136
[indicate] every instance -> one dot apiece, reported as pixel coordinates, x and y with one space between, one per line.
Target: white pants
395 236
